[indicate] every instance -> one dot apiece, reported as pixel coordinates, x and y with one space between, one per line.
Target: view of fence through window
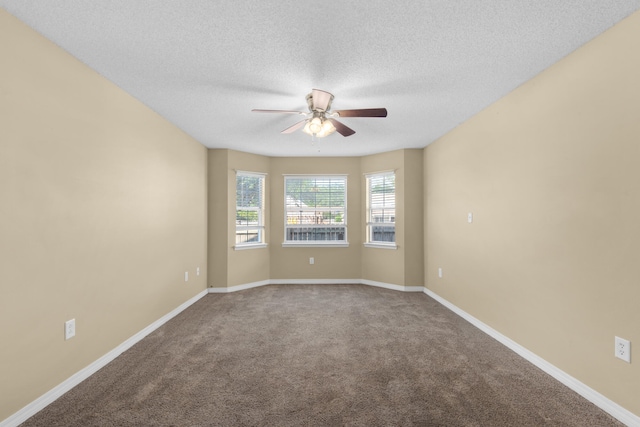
381 207
249 208
315 208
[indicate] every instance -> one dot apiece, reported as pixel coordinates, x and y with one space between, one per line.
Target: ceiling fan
320 121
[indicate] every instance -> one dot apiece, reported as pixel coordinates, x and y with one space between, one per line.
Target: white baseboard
621 414
239 287
245 286
40 403
400 288
316 282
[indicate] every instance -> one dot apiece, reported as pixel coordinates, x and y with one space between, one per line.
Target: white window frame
261 243
370 221
316 243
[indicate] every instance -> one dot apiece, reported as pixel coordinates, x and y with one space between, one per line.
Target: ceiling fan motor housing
321 102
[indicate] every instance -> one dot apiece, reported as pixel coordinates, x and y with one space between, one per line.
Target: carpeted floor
319 355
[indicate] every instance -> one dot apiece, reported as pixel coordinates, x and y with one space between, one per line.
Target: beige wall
232 267
219 219
412 225
330 263
551 173
384 265
102 210
251 265
403 266
228 267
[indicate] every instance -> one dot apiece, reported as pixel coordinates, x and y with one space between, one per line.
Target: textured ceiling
204 64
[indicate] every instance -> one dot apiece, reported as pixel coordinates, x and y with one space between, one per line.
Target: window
315 210
249 210
381 209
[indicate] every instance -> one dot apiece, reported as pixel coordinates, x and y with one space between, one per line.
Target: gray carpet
319 355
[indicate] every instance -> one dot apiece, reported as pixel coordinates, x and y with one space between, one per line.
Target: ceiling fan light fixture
319 127
315 125
306 128
327 129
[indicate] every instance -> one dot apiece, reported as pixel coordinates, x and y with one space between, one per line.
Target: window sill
381 245
251 246
307 244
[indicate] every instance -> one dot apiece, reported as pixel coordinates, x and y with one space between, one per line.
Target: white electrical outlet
69 329
198 271
469 217
312 261
623 349
440 272
186 276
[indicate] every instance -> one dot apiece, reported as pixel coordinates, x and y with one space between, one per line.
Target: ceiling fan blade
278 111
321 99
367 112
342 129
295 127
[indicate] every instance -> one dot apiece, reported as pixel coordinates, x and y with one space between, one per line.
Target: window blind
315 209
381 207
249 208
